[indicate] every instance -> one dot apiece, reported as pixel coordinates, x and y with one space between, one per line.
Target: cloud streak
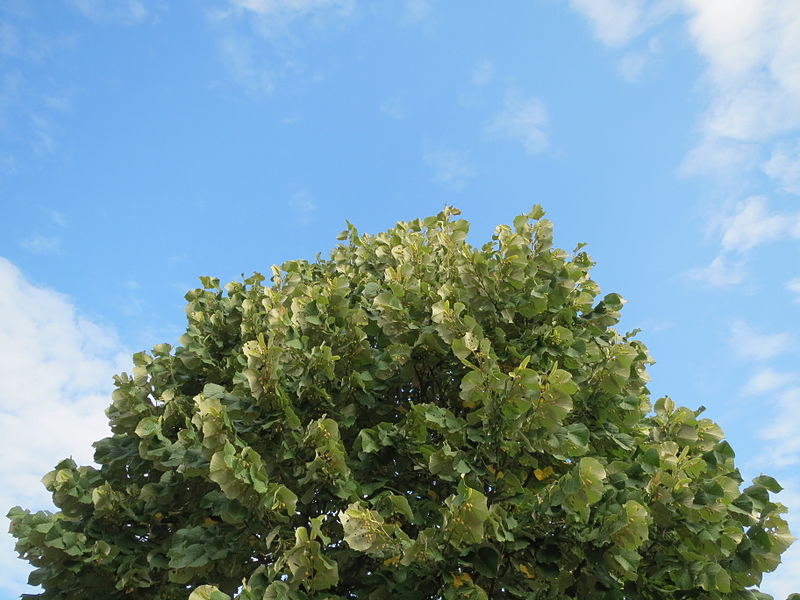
750 343
522 120
450 167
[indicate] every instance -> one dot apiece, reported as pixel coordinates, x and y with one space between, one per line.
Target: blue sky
145 143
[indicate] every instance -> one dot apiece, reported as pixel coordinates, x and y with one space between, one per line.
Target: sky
144 143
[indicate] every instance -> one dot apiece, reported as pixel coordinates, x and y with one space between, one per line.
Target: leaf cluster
413 417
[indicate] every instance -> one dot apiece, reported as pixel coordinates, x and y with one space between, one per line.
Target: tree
411 418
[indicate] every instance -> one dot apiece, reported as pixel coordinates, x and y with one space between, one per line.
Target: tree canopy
411 418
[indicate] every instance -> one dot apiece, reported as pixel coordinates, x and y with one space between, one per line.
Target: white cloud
751 50
793 285
784 166
42 244
394 108
783 443
767 380
753 224
750 224
751 344
9 40
239 57
723 157
631 66
57 217
522 120
450 167
617 22
482 73
275 17
126 12
416 11
257 38
719 273
302 203
752 54
55 382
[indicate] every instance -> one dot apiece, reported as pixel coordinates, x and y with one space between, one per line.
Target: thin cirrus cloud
482 73
303 205
416 11
750 224
249 31
749 343
273 18
450 167
783 166
55 381
720 272
767 380
521 120
753 224
125 12
793 285
41 244
783 443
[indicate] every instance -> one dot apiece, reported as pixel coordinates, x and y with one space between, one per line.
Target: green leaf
468 512
208 592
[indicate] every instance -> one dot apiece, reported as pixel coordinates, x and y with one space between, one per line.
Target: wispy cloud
793 285
617 22
55 381
751 56
239 56
303 205
783 166
394 108
275 18
753 224
258 39
482 73
41 244
783 446
750 343
416 11
719 273
750 50
124 12
522 120
451 168
9 40
767 380
633 64
30 109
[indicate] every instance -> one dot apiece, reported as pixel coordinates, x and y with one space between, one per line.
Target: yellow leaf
391 561
542 474
460 579
526 572
209 521
432 495
500 475
491 469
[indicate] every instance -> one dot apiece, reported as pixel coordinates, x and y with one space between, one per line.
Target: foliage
412 418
